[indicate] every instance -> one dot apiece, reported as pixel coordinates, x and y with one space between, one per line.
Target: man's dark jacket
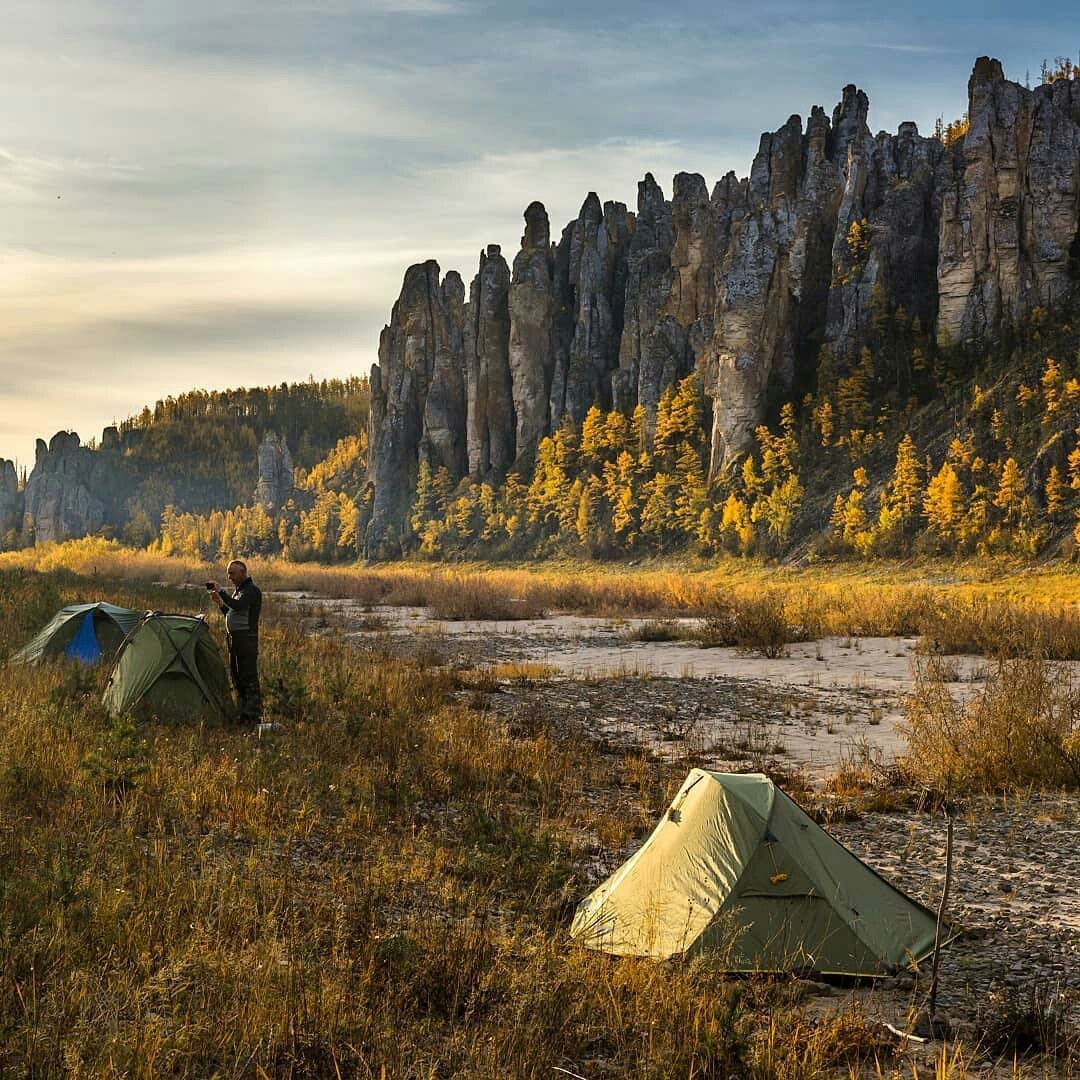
241 610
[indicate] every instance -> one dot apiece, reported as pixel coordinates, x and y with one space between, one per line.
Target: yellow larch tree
1054 494
943 503
1011 492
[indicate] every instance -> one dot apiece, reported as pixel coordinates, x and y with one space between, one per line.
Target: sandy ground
813 707
1017 863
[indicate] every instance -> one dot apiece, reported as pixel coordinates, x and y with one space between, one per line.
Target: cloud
84 344
242 182
395 7
911 48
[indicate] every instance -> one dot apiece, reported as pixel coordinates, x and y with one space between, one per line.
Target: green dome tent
84 632
736 864
169 666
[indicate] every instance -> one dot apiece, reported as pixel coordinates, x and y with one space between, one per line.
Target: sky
223 193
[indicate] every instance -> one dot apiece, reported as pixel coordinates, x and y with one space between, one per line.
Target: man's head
237 571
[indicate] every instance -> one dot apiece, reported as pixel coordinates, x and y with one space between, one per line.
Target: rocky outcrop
644 352
671 284
418 406
11 500
835 217
61 499
1011 213
593 250
834 229
901 206
444 416
531 350
490 422
275 485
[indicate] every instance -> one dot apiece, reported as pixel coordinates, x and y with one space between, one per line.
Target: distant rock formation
531 304
275 484
743 286
418 403
1011 200
62 497
490 426
11 499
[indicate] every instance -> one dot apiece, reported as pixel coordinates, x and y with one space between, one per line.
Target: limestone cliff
490 424
593 251
418 399
63 494
1010 229
275 484
11 499
744 285
531 356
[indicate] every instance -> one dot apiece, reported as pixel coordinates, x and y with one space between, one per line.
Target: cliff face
531 347
275 484
592 256
1011 202
743 285
63 496
11 499
489 411
418 399
795 276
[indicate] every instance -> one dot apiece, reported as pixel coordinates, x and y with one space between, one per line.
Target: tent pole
932 1004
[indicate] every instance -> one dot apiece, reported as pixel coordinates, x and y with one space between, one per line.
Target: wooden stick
932 1006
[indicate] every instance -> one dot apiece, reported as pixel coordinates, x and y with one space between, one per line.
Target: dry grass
380 890
454 596
984 608
1022 729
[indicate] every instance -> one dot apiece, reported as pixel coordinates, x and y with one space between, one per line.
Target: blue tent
83 632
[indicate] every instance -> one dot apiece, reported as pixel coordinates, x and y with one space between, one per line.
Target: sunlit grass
380 888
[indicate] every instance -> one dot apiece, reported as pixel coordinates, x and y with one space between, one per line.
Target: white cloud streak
228 191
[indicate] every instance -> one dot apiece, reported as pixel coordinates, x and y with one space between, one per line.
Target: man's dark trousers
244 669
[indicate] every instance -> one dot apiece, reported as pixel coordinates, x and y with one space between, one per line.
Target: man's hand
215 595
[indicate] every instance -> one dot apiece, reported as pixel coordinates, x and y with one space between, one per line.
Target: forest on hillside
899 453
916 447
209 440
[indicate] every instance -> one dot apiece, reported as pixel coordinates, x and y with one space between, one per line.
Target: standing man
241 611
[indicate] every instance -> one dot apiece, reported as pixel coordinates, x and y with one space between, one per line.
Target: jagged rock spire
745 285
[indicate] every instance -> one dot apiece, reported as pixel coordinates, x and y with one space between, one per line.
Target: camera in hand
211 586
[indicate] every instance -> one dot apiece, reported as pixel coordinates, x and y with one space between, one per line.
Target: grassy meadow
383 887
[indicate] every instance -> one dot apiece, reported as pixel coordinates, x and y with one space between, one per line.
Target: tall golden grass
1018 613
380 889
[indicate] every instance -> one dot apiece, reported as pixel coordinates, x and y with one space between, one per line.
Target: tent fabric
736 864
84 645
111 624
169 667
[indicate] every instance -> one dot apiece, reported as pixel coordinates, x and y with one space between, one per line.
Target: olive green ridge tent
84 632
170 667
736 864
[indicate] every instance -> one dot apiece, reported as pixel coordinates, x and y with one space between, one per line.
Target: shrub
656 630
119 760
993 627
760 625
477 596
1032 1020
1021 729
